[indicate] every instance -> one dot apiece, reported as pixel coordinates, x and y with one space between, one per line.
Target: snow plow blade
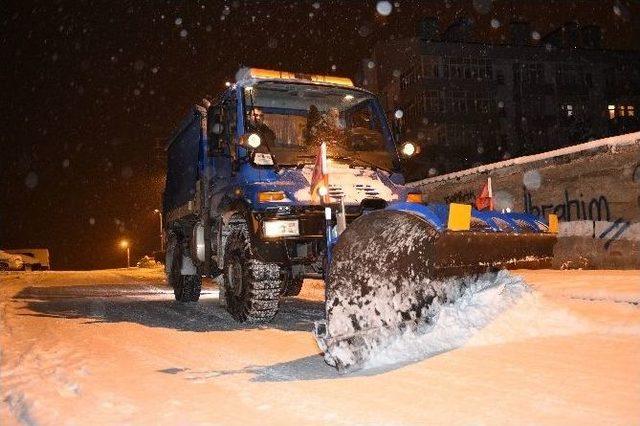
392 270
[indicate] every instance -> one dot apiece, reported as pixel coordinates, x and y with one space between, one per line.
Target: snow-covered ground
112 347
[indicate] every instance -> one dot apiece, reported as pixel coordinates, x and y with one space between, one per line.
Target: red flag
320 177
484 200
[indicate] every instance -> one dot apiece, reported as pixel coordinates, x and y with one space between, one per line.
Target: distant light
248 88
348 98
399 114
612 107
322 190
124 244
156 211
227 83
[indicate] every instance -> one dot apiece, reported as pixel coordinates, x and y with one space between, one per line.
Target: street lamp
125 245
161 230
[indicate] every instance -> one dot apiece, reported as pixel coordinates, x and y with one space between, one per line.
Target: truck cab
239 202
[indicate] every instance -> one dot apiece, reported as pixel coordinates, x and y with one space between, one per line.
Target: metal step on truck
286 176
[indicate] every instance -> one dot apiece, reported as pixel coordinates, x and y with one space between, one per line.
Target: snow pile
500 309
538 316
553 357
455 322
149 263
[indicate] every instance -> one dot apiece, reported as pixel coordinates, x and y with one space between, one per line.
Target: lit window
568 110
622 110
612 111
631 111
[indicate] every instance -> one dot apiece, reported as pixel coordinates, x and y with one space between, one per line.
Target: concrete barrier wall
598 244
597 183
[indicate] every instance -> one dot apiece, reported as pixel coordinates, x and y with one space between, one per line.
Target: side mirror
398 122
215 139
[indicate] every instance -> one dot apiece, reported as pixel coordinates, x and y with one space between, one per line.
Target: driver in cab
258 125
324 127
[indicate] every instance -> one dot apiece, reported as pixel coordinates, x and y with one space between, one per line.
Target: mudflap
391 271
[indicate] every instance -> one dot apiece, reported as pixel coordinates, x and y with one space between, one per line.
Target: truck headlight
408 149
253 140
281 228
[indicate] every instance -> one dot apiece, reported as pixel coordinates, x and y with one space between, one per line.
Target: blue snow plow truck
287 176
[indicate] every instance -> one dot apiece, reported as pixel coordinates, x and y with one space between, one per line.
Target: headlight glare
408 149
254 140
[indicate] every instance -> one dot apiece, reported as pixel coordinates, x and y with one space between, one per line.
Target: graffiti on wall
613 232
571 207
460 197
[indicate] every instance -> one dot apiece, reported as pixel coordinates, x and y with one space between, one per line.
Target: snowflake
384 8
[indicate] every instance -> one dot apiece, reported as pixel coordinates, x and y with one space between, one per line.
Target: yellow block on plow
553 223
459 217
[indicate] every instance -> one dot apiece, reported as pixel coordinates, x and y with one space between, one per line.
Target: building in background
468 103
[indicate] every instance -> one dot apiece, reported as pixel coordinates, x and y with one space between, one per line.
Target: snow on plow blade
391 271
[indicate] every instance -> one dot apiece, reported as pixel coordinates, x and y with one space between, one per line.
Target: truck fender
230 207
226 212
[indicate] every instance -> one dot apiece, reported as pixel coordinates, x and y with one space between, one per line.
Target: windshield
295 119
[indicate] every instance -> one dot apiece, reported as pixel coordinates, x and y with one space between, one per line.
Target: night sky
92 90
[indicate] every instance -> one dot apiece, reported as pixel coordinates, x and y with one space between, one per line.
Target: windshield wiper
352 160
371 164
313 156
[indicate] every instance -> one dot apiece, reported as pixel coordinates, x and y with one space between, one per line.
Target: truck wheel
251 287
293 286
186 288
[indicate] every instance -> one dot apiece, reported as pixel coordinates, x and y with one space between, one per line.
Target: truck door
221 133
